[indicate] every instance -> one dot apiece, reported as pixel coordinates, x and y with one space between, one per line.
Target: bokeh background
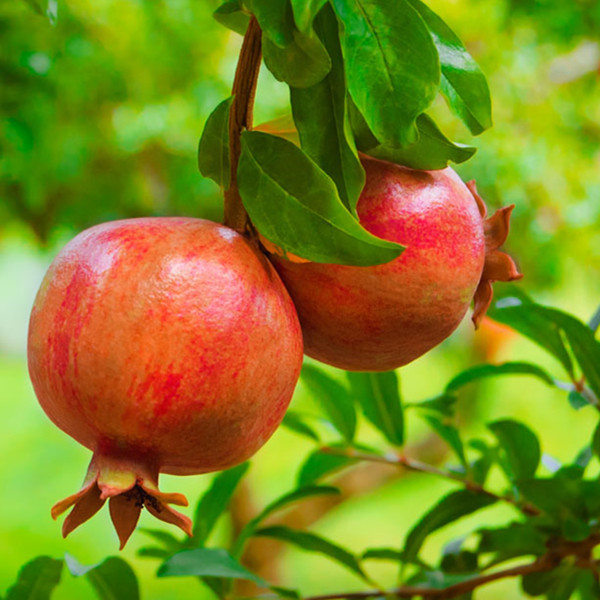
101 109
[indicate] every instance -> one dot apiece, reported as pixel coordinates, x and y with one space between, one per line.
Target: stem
240 118
415 465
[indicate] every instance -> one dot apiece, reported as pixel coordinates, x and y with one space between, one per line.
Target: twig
415 465
244 91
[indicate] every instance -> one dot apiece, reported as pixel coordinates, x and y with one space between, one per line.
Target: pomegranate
162 345
381 317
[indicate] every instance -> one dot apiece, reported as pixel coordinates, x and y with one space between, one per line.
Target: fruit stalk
240 118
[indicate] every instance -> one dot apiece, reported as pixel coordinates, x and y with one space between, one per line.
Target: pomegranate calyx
498 266
129 487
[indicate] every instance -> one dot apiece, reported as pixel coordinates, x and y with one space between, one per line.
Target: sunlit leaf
275 18
37 579
489 370
392 65
305 12
319 464
231 14
295 205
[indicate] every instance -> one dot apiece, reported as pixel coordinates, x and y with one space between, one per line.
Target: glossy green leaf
379 396
313 543
305 12
319 464
488 370
449 433
463 84
203 562
452 507
521 446
36 580
284 501
334 399
213 149
301 63
113 578
232 14
432 150
518 313
215 501
275 18
321 117
295 422
392 65
295 205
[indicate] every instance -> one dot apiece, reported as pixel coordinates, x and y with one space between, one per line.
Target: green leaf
113 578
215 501
275 18
168 540
313 543
321 117
443 404
432 150
318 464
295 205
47 8
302 63
449 433
480 467
392 65
463 84
282 502
305 12
37 579
213 149
294 422
379 397
488 370
596 440
558 584
231 14
334 398
518 313
383 554
505 543
452 507
203 562
521 446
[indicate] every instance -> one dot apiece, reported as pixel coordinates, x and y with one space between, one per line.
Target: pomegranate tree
162 345
381 317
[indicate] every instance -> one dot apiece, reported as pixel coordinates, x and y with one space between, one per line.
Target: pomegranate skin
381 317
162 345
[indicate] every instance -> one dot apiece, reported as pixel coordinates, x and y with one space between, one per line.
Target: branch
415 465
244 91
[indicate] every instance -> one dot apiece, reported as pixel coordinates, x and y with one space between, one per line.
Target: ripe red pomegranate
381 317
162 345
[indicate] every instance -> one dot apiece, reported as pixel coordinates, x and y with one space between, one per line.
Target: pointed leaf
321 117
383 554
295 205
463 83
443 404
313 543
334 398
521 446
392 65
203 562
37 579
302 63
294 422
432 150
379 397
113 578
318 464
215 501
452 507
305 12
449 433
231 14
213 149
168 540
488 370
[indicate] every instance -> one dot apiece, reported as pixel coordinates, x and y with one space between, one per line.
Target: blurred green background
100 115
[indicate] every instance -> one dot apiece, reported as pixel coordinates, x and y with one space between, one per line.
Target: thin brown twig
401 460
244 91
